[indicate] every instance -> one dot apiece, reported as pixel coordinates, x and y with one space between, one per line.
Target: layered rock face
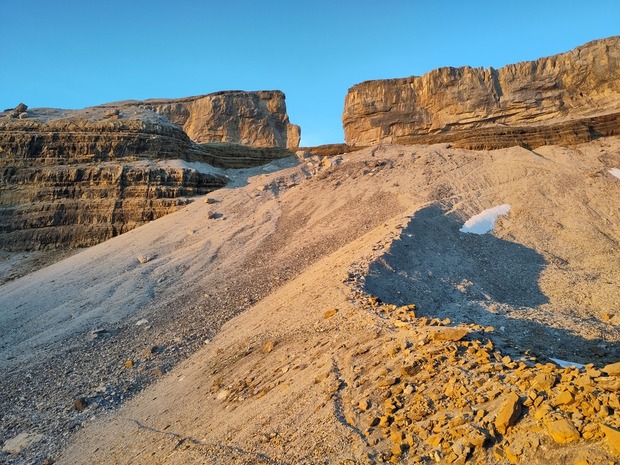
73 178
76 178
566 98
257 119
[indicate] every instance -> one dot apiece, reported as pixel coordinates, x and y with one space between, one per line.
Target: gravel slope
384 219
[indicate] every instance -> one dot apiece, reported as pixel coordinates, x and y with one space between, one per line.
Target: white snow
190 165
484 221
615 172
565 364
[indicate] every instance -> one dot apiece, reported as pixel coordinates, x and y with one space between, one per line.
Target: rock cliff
566 98
257 119
73 178
76 178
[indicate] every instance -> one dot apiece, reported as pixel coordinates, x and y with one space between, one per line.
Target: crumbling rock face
76 178
566 98
257 119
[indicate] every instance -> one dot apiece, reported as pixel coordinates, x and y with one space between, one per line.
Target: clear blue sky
73 54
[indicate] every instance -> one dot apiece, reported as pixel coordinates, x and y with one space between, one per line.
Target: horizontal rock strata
567 98
76 178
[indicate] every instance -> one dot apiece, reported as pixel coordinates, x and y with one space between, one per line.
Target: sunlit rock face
257 119
567 98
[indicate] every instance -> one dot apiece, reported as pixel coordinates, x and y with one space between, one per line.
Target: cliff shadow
478 279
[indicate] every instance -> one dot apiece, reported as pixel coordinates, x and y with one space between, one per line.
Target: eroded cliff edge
567 98
257 119
73 178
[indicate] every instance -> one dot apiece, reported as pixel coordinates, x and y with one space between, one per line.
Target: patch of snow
615 172
204 168
484 221
565 364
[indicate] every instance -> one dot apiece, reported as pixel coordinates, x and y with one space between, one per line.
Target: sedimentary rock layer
566 98
76 178
257 119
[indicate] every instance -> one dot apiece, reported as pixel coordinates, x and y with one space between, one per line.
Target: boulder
509 412
562 431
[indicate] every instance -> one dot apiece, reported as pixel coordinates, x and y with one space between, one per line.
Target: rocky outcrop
257 119
73 178
76 178
566 98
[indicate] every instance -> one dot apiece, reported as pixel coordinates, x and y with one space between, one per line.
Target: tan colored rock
612 436
565 398
444 333
257 119
544 382
613 369
476 107
269 346
509 412
562 431
329 313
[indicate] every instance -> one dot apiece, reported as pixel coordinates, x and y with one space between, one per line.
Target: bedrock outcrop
257 119
76 178
73 178
566 98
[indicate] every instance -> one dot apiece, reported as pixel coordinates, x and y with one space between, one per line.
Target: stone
329 313
520 104
509 412
21 108
80 404
565 398
544 382
443 333
21 442
562 431
612 437
269 346
613 369
144 258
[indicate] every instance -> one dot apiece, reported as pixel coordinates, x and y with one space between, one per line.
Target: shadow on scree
479 279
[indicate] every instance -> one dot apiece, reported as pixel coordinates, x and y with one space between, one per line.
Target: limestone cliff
76 178
257 119
566 98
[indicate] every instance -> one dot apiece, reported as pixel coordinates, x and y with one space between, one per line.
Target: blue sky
73 54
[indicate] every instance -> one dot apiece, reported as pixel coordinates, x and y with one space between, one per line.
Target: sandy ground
282 247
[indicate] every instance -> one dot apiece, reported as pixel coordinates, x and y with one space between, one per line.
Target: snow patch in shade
484 221
565 364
